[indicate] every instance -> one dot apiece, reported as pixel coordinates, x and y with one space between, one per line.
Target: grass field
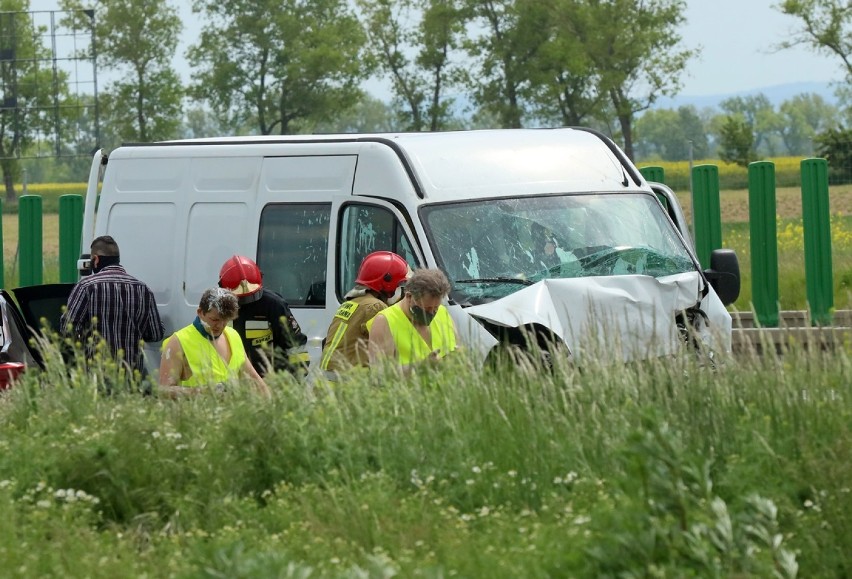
668 469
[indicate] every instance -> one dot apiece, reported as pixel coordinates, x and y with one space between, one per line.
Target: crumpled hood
633 313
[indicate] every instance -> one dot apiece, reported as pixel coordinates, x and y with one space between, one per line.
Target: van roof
455 164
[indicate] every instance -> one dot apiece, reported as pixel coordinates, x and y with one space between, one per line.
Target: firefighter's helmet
383 271
242 276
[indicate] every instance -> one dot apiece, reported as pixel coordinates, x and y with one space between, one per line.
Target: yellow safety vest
410 345
207 366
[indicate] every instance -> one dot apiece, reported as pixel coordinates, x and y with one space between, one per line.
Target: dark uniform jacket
267 325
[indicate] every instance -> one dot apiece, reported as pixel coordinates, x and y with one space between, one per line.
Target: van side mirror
84 265
724 275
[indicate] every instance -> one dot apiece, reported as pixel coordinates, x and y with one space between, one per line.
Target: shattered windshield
492 248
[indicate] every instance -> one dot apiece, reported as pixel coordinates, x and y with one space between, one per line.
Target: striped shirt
119 308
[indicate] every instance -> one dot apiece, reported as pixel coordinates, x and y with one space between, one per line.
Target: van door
365 225
328 243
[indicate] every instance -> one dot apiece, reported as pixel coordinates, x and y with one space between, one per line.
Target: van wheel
531 348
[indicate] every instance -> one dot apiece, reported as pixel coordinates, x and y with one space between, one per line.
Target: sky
737 39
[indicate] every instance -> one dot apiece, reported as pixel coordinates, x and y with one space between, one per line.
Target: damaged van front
597 270
567 241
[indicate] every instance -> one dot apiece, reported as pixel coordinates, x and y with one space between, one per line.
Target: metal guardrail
794 330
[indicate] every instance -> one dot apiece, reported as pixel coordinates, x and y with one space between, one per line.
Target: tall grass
792 284
666 468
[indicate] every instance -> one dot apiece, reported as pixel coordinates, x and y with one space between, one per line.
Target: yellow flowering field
731 176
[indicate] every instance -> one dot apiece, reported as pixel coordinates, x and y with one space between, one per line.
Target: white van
552 231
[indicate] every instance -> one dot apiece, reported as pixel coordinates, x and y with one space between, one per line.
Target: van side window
363 230
292 251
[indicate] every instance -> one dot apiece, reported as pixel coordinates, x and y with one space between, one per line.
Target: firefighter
271 335
378 284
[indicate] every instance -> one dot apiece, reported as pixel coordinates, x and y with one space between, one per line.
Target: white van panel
281 177
211 234
145 252
150 176
236 175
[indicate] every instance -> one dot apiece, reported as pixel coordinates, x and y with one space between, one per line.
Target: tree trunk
627 132
9 181
8 166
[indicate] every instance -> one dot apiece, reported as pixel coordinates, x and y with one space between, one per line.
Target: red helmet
241 275
382 271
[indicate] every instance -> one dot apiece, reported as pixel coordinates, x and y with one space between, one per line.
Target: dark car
24 313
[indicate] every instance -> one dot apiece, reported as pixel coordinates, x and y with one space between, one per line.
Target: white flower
155 434
476 469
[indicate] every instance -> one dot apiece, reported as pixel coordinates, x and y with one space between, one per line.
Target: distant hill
776 94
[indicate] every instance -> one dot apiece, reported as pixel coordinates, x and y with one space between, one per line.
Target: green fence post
707 212
657 174
30 239
763 239
70 230
653 173
816 220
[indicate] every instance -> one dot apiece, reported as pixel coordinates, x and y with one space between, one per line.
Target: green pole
816 219
70 230
707 211
653 173
657 174
764 242
30 239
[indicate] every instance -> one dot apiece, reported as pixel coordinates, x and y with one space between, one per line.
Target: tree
370 115
635 46
835 145
802 117
503 54
758 112
736 141
414 44
671 133
826 27
278 66
31 92
137 39
563 78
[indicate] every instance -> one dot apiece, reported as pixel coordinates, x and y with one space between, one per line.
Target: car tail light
9 372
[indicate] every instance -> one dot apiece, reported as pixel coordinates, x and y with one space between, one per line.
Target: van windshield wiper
516 280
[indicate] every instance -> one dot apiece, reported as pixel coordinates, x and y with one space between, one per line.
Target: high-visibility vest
410 345
346 343
207 366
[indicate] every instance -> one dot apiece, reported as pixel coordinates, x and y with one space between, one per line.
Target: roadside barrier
707 224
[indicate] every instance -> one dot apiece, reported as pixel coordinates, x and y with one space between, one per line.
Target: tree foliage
278 66
825 26
802 118
503 55
671 133
416 45
31 90
835 145
736 142
137 39
565 83
636 47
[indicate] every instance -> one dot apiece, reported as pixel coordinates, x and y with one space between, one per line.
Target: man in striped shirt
112 311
